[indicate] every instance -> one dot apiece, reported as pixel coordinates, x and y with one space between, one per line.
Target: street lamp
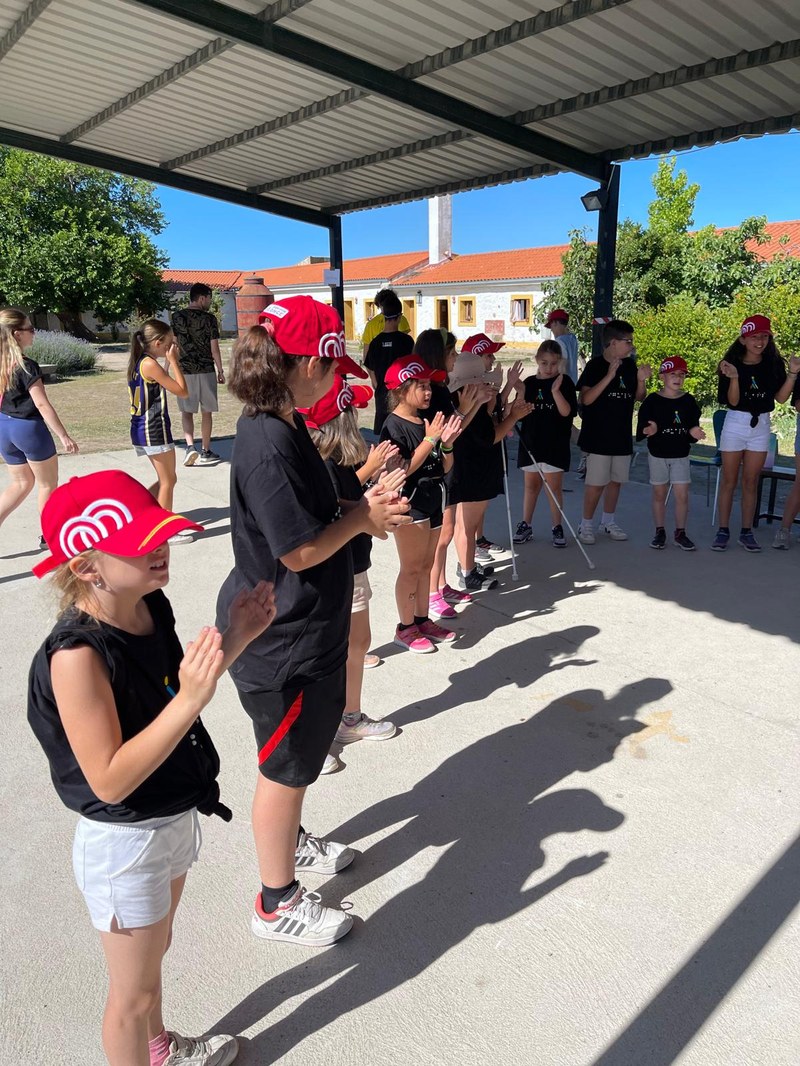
595 200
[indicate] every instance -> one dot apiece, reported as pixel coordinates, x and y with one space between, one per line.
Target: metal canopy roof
312 108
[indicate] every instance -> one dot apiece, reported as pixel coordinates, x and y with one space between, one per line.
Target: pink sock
159 1048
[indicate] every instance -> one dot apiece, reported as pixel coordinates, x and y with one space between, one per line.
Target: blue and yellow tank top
149 416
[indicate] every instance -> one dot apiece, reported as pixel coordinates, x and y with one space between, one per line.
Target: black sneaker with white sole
683 542
474 581
659 541
559 540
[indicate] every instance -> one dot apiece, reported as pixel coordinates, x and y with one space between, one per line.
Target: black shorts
295 728
435 519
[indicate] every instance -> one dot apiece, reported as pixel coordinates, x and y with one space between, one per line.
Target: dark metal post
337 291
606 259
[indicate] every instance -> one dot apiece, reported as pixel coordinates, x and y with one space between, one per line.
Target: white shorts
125 872
670 471
202 394
739 436
362 593
546 468
153 449
600 469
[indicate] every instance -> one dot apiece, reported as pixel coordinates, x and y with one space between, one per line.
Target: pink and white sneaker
436 632
411 639
451 595
439 606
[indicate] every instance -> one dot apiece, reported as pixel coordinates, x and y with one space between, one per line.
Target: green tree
75 239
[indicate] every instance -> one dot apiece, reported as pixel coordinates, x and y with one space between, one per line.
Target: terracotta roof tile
495 266
217 279
372 268
776 230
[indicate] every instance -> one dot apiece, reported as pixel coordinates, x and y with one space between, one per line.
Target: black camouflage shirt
194 331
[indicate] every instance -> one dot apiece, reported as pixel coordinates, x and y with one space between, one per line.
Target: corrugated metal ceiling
155 82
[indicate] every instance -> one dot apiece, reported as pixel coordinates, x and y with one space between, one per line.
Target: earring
98 584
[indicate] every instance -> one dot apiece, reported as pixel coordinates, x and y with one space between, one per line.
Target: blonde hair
151 330
69 587
10 351
341 440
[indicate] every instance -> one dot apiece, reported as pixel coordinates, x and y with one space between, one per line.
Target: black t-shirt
17 400
544 434
348 487
758 383
607 424
423 488
382 352
477 461
194 331
674 419
141 670
281 497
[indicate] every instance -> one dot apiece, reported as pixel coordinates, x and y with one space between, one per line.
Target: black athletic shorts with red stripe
295 728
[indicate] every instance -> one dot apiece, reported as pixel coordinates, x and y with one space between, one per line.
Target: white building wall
492 308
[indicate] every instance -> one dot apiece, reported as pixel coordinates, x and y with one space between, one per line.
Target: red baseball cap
674 364
558 314
109 511
411 368
756 324
302 326
336 400
480 344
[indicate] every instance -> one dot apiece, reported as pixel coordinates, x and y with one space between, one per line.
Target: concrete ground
580 850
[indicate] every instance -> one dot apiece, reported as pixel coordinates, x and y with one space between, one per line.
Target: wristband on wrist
447 448
432 440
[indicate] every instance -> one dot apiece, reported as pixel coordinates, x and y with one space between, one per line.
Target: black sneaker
523 533
559 540
749 542
474 581
683 541
484 571
659 541
207 457
720 543
42 544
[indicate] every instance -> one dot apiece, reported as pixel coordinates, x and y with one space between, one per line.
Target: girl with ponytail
27 419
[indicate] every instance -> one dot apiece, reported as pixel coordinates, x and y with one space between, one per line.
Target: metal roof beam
273 12
503 177
668 79
22 25
411 148
701 138
517 31
319 107
186 182
246 29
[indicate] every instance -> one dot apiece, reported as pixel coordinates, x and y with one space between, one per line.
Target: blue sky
748 177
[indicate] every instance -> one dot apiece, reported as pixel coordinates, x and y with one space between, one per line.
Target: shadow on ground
485 806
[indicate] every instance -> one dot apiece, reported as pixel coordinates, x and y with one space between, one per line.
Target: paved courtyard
580 850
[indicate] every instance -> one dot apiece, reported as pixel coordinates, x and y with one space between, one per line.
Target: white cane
514 574
553 497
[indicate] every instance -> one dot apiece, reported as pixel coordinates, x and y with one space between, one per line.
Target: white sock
586 523
607 519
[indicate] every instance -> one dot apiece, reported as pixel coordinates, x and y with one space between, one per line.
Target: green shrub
69 354
689 329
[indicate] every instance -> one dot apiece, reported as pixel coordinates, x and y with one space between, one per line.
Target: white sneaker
586 535
314 855
192 1051
364 729
301 920
782 539
182 538
331 764
613 531
191 457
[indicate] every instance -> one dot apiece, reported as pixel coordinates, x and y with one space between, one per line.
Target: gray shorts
600 469
202 394
669 471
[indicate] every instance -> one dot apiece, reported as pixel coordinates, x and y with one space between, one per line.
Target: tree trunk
74 324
